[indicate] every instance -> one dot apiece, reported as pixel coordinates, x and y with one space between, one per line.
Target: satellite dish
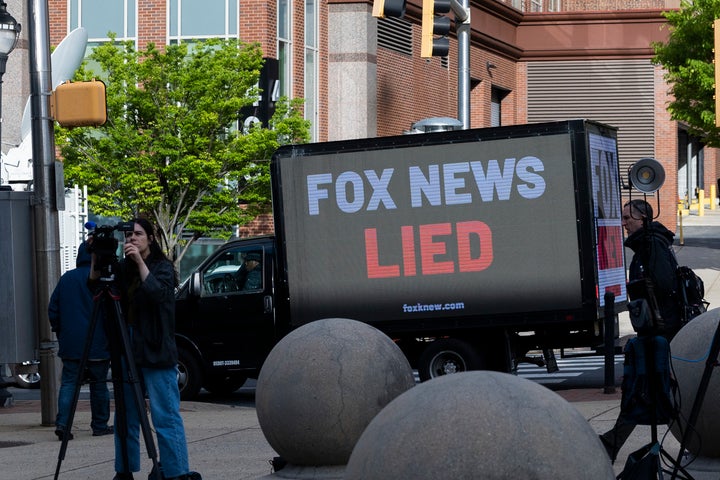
16 165
64 62
647 175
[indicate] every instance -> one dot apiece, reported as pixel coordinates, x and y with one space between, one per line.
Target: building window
496 97
535 5
191 20
311 66
99 18
284 33
118 17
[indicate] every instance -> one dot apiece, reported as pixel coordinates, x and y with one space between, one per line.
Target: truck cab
226 317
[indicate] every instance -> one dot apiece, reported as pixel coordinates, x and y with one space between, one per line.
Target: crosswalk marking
546 375
569 368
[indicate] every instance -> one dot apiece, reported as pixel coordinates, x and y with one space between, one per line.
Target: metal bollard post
609 343
701 202
713 196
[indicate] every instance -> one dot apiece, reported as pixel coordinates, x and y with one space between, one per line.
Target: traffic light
716 53
435 24
79 104
388 8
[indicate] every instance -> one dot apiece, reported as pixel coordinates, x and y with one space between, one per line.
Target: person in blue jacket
70 312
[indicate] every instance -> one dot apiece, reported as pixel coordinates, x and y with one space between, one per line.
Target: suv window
237 270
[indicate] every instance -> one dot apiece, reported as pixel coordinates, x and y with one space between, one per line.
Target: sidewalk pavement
226 442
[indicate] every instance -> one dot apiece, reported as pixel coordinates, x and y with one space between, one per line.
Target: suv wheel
26 374
189 375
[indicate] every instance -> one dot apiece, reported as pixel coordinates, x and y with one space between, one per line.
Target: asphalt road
699 247
574 372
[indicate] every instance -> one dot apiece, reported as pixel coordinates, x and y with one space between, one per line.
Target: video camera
104 245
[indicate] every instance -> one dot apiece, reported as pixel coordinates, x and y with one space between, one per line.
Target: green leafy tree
170 150
687 57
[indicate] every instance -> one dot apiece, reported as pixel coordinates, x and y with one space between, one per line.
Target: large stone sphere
689 350
322 384
479 424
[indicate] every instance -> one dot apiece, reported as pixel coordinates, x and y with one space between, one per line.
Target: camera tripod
106 299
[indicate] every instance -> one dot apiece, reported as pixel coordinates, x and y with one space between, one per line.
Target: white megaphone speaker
647 175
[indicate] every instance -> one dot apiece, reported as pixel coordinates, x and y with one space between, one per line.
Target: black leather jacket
653 258
149 307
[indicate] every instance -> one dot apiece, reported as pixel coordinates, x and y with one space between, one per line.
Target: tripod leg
118 379
676 466
78 382
134 381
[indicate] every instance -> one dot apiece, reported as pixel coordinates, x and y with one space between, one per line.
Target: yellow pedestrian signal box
79 104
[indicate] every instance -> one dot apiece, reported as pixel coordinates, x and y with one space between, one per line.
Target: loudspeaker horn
647 175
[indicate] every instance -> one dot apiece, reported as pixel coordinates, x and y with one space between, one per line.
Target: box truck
467 248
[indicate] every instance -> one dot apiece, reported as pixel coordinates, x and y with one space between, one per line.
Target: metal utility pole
44 200
462 20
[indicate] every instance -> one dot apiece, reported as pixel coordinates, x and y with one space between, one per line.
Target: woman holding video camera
147 281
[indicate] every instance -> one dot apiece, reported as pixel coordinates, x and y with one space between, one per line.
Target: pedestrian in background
651 243
652 259
70 312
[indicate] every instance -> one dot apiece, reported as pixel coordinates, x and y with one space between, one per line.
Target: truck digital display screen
460 229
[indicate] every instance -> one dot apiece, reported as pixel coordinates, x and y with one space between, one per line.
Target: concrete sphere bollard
689 350
322 384
479 424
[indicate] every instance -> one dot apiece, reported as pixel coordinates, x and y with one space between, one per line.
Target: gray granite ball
479 424
322 384
689 350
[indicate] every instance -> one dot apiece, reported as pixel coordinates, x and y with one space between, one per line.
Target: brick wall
151 23
258 24
262 225
666 146
58 19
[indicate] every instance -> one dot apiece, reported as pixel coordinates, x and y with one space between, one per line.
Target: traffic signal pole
435 42
44 201
462 20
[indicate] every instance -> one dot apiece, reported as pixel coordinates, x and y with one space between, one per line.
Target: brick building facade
530 61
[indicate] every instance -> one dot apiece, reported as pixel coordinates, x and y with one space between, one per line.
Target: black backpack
692 294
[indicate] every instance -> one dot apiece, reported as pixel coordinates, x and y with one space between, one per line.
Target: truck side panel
471 228
607 215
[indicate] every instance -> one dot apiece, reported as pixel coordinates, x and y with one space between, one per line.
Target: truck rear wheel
189 375
446 356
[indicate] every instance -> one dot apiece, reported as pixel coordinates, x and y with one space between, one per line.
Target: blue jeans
164 397
96 372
